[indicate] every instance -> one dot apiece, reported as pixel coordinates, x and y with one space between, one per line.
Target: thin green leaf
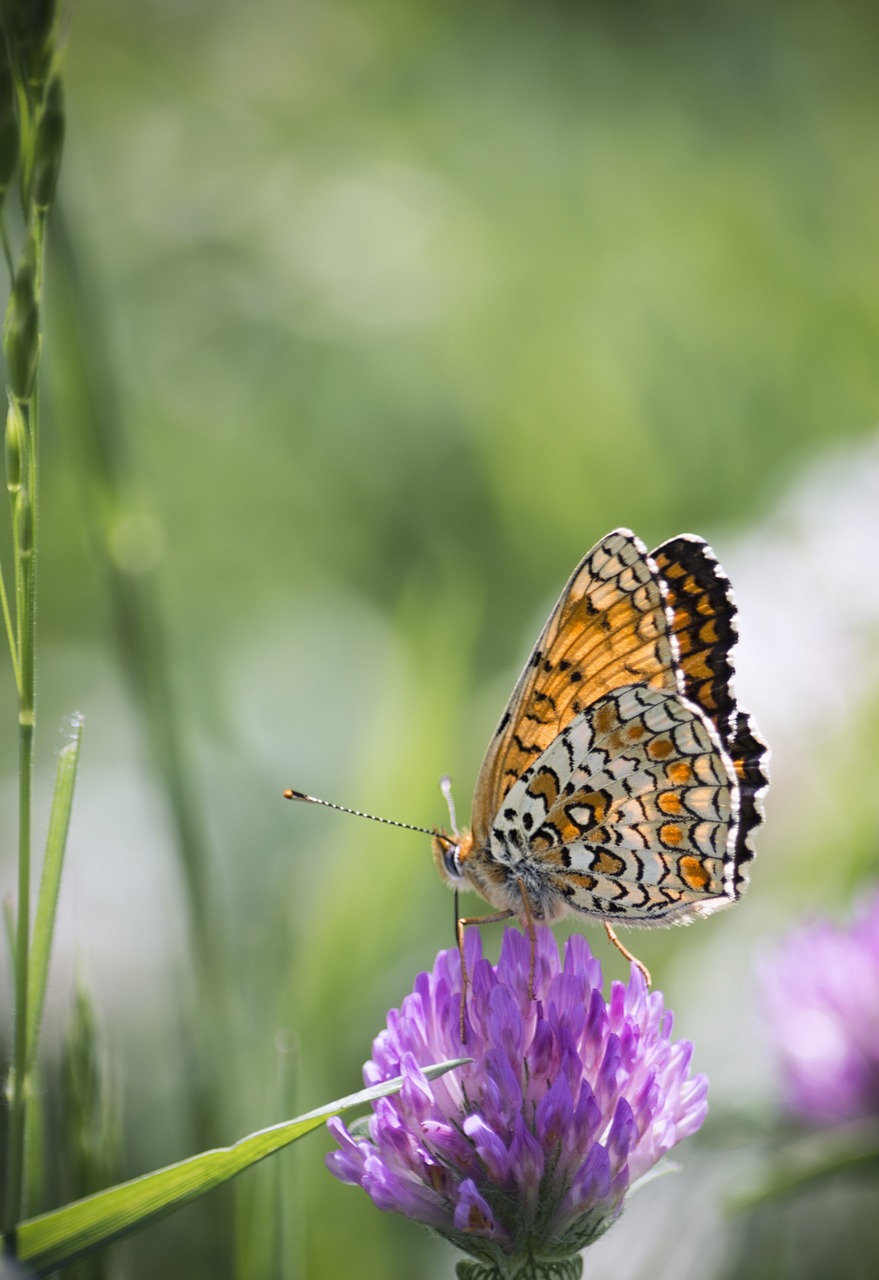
44 923
59 1237
847 1150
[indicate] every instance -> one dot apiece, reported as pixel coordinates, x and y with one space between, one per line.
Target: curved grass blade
57 1238
44 922
850 1150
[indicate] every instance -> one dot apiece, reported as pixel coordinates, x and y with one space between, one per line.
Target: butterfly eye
447 856
452 861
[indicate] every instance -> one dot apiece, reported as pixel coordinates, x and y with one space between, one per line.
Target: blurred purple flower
820 991
523 1156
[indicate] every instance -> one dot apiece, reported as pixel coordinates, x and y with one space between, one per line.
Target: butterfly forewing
611 627
704 625
630 812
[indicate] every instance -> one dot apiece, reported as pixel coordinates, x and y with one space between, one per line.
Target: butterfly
623 781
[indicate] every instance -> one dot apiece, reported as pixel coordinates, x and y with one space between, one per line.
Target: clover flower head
820 992
523 1156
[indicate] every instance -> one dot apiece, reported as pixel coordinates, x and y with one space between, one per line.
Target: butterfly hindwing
631 811
610 627
750 758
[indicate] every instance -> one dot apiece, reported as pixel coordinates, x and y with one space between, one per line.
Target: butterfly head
450 854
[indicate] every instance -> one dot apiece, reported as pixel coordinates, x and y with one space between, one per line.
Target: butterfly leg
462 924
625 951
532 938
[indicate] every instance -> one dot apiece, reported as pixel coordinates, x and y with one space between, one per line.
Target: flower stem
22 936
23 526
36 111
24 544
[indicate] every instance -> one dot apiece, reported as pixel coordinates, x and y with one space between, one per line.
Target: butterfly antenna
290 794
446 789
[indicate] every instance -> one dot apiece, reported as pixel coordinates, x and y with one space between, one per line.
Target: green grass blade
9 931
851 1150
59 1237
44 923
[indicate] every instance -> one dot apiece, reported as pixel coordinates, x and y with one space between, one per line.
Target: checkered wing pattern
631 812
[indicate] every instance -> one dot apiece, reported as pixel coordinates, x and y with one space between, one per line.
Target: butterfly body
622 782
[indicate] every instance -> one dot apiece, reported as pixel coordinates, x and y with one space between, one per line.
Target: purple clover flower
522 1157
821 997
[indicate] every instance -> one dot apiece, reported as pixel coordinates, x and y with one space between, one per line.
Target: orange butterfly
623 782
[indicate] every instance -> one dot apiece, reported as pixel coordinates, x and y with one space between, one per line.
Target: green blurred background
366 319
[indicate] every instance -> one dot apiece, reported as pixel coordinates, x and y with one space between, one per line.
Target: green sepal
529 1269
